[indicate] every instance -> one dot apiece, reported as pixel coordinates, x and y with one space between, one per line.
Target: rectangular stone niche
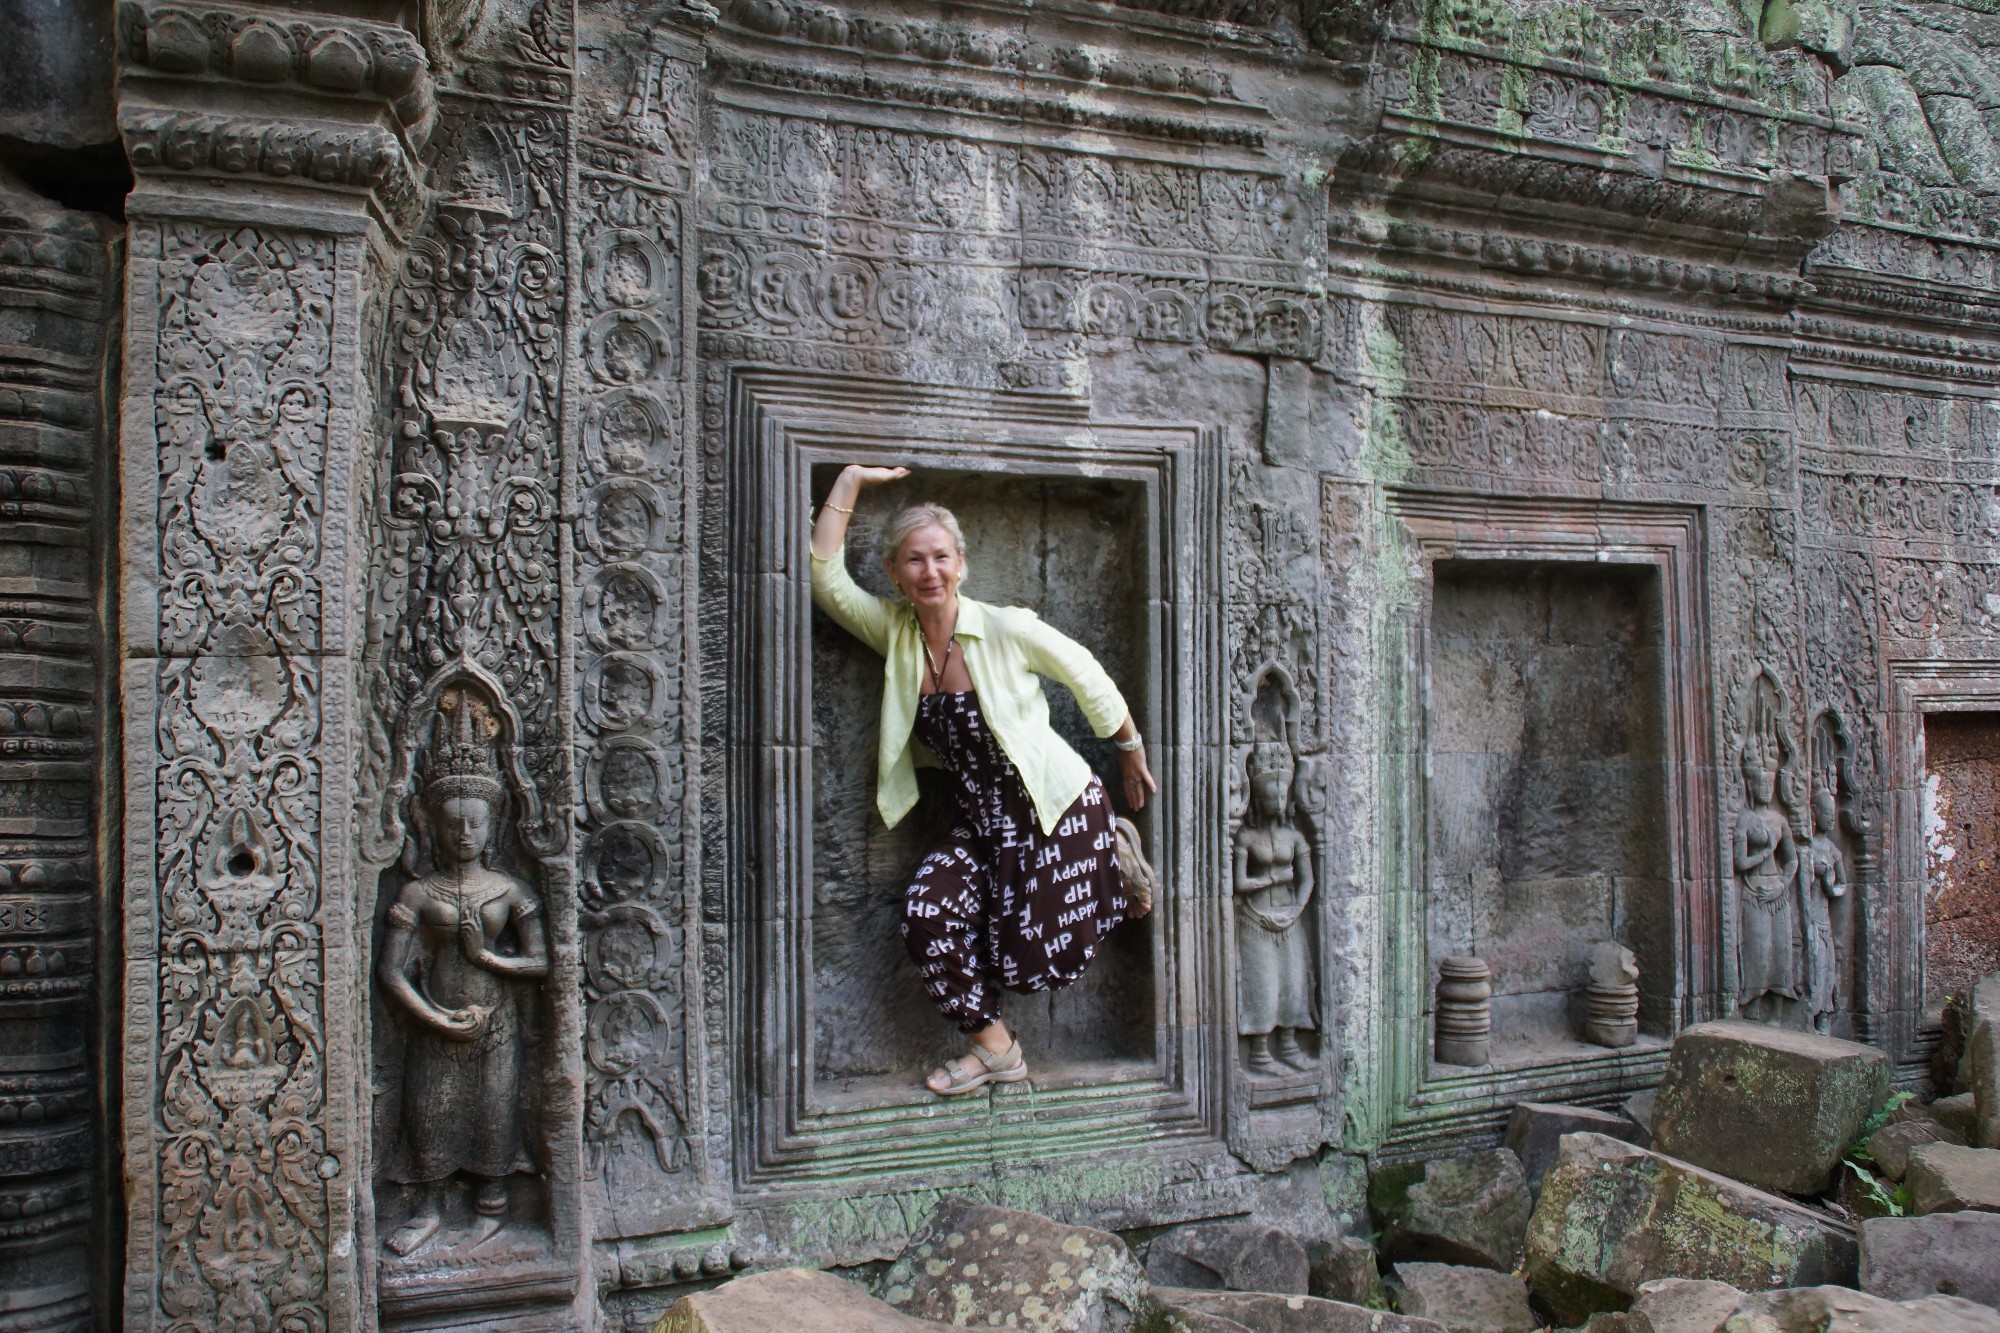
1547 790
1074 551
1961 811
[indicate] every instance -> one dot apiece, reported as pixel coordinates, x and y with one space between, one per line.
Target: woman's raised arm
831 528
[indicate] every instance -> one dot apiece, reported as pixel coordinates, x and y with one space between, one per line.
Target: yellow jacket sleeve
1062 659
855 609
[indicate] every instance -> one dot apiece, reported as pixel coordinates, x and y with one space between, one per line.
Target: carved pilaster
275 154
56 293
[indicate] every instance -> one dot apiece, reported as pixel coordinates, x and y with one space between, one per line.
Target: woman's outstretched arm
830 531
858 611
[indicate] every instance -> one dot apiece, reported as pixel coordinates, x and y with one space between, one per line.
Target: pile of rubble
1771 1185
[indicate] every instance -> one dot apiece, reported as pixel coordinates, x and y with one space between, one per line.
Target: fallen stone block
1464 1300
1236 1256
1468 1209
1344 1269
1614 1215
1945 1254
1959 1112
1683 1305
1945 1178
1768 1106
1260 1313
787 1300
1830 1309
1890 1145
1638 1108
1014 1268
1982 1063
1534 1129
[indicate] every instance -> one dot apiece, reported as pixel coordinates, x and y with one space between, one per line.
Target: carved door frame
790 1138
1422 1111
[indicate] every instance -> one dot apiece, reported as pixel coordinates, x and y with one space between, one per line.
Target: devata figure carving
1274 886
1825 874
1036 872
464 944
1766 859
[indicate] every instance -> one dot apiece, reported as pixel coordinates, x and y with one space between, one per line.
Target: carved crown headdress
462 761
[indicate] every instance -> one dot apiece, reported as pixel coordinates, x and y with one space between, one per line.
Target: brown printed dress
998 903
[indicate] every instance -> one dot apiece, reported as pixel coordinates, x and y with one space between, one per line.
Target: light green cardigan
1005 648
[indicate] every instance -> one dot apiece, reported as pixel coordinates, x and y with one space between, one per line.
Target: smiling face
465 827
927 567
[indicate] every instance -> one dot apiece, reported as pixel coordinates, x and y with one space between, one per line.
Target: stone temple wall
1533 467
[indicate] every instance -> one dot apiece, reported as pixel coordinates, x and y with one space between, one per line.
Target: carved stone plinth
1463 1018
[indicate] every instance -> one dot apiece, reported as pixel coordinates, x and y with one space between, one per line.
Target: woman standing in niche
443 962
1036 871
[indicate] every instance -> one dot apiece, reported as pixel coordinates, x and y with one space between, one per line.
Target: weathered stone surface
1982 1062
1471 1208
1535 1128
1683 1305
1261 1313
786 1300
1345 1269
1943 1254
1945 1178
1464 1300
1638 1108
975 1259
1829 1309
1767 1106
1236 1256
1890 1145
1958 1113
1613 1216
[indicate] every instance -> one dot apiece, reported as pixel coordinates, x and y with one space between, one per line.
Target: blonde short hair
915 519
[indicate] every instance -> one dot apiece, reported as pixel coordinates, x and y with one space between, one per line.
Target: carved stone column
57 290
275 154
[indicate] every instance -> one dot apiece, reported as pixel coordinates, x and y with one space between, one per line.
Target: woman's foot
1285 1049
1140 879
976 1068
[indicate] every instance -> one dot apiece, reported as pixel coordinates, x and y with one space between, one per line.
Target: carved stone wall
483 359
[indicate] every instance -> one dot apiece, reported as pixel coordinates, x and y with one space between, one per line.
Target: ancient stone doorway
1961 853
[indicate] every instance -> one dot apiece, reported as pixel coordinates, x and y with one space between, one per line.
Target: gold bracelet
837 509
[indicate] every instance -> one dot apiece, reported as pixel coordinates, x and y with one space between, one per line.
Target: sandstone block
1767 1106
1344 1269
1012 1267
1469 1209
1890 1145
1945 1254
1261 1313
1613 1216
1982 1063
1638 1108
1535 1128
1958 1112
786 1300
1827 1308
1464 1300
1236 1256
1684 1305
1945 1178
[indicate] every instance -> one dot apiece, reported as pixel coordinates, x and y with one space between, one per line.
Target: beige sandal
978 1067
1140 878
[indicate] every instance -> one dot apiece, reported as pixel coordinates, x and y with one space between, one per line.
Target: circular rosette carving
625 347
628 947
781 288
624 519
1166 315
1227 320
1110 311
846 294
626 431
630 270
625 862
622 606
627 778
626 692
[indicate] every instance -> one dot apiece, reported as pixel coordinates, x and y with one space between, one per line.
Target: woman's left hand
1138 778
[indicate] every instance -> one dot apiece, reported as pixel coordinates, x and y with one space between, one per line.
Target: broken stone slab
1982 1063
1344 1269
787 1300
1471 1208
1262 1313
1683 1305
1944 1254
1830 1309
1890 1145
1464 1300
1535 1128
1014 1268
1945 1178
1233 1256
1614 1215
1638 1108
1958 1112
1771 1107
